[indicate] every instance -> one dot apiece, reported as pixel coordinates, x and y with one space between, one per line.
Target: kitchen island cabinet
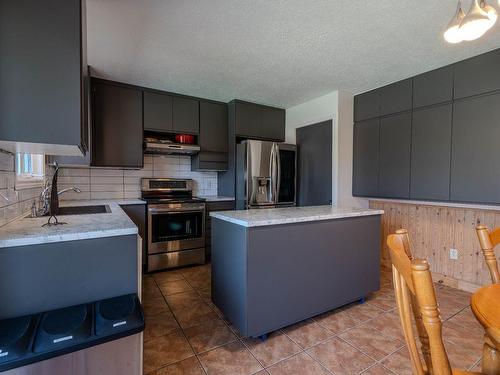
274 267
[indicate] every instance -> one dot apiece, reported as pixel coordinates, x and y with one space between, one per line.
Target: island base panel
266 278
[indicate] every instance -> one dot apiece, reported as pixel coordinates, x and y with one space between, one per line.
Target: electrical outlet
454 254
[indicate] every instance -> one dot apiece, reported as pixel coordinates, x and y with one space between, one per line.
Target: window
30 170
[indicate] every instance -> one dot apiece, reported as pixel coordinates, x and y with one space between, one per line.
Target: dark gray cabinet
117 132
366 158
43 74
478 75
431 153
137 213
396 97
185 115
211 207
394 163
433 87
367 105
213 138
475 172
258 122
171 114
157 112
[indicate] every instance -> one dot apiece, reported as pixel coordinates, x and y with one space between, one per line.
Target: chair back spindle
488 241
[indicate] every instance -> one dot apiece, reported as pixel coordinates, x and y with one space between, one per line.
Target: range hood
169 148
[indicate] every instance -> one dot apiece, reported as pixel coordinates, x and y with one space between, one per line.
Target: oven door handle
174 211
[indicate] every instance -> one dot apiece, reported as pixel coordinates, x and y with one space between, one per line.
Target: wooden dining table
485 304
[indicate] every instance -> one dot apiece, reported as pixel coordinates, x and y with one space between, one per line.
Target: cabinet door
367 105
431 153
272 125
395 141
157 112
117 133
186 115
365 158
433 87
478 75
396 97
247 119
475 172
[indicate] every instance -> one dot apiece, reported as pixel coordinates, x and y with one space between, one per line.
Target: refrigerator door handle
273 168
278 173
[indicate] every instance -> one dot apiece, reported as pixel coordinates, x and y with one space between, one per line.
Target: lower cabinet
365 158
431 153
137 213
475 161
214 206
394 163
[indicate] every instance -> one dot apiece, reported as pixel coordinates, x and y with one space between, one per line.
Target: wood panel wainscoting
434 230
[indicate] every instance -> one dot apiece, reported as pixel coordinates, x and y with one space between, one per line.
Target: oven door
176 226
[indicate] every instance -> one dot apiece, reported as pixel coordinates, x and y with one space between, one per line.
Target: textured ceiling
271 51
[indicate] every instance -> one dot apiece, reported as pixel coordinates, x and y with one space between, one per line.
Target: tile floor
186 334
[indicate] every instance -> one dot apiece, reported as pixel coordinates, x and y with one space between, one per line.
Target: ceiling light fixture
471 26
452 33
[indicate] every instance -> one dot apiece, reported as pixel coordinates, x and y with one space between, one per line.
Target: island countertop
288 215
29 231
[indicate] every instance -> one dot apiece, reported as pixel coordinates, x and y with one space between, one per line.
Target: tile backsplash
107 183
13 203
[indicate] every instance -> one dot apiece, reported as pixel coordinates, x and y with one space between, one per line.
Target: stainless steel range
176 223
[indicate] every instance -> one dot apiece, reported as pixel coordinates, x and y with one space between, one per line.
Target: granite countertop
29 231
276 216
216 198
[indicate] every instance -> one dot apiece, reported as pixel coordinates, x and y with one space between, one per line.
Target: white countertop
29 231
276 216
216 198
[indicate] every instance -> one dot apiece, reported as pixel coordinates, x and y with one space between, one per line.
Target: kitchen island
275 267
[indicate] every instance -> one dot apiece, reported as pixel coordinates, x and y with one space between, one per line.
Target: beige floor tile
459 335
340 358
159 325
166 276
308 333
336 321
151 292
209 335
389 324
190 366
276 348
466 319
300 364
154 306
172 287
399 362
370 341
384 301
362 312
195 315
230 359
185 300
461 357
165 350
378 370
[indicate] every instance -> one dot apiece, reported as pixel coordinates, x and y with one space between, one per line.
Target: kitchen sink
83 210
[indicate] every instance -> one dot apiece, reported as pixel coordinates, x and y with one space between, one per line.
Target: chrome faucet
75 189
44 199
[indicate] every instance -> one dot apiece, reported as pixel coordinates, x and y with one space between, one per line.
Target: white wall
338 107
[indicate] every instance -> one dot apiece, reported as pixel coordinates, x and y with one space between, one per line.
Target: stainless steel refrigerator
266 174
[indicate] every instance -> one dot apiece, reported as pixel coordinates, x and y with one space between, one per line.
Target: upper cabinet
475 172
394 159
44 77
256 121
117 132
185 115
478 75
396 97
431 153
365 158
168 113
433 87
157 112
213 138
367 105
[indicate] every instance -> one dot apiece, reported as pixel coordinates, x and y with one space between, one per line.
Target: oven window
176 226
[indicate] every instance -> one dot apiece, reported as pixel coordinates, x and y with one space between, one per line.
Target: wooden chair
489 240
415 297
